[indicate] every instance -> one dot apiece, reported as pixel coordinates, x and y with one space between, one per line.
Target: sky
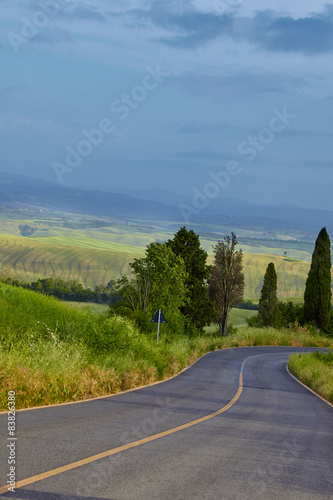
206 98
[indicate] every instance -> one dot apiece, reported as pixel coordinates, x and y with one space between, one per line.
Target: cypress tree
268 308
317 296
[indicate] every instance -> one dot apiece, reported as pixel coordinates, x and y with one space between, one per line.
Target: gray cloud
89 13
71 10
310 35
191 28
56 36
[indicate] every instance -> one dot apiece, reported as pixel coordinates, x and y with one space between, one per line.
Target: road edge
88 400
308 388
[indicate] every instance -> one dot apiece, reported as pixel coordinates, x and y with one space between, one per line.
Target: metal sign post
158 318
158 325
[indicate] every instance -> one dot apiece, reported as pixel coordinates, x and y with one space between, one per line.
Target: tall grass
316 371
52 353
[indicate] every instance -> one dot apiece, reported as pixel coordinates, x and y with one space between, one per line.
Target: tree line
317 308
67 290
174 276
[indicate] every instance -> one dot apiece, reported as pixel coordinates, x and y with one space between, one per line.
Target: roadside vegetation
314 370
51 352
54 353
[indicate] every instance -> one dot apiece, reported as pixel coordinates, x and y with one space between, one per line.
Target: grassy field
93 250
237 316
51 352
93 306
28 260
315 371
237 319
31 258
291 275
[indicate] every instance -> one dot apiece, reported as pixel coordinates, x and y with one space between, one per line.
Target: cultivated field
27 259
30 258
94 250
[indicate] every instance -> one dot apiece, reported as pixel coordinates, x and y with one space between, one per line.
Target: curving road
209 433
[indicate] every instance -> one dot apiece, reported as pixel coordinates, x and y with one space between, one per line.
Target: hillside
28 259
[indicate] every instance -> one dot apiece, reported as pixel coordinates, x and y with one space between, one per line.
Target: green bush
329 328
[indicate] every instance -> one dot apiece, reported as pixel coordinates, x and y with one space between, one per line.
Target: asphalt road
273 441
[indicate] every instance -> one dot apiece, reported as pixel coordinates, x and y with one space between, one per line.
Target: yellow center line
134 444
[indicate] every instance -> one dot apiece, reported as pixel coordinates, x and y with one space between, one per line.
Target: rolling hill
19 191
29 259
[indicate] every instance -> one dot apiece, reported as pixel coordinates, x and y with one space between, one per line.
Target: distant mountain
34 193
155 205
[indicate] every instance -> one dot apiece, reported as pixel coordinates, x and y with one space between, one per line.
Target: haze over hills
26 192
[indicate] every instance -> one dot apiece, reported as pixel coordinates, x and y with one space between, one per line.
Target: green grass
237 316
51 352
64 246
237 319
28 260
314 370
93 306
89 262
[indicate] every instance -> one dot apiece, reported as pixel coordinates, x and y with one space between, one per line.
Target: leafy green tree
199 309
290 314
158 282
226 284
317 296
268 302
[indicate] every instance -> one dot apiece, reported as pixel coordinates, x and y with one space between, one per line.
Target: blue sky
165 94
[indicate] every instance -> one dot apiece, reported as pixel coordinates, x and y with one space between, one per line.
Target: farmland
95 250
29 259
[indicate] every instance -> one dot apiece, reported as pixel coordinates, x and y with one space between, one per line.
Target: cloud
189 28
310 35
56 36
82 12
71 11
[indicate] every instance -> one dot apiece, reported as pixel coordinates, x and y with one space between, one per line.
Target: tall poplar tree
268 308
317 296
